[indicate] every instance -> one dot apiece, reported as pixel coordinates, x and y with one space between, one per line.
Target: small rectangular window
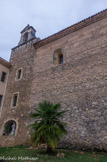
15 97
1 97
19 74
3 76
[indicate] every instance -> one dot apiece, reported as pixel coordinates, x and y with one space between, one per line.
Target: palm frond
48 127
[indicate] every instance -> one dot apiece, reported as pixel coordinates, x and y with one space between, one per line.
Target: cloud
46 16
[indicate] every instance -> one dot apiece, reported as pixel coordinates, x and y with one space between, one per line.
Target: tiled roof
5 63
73 28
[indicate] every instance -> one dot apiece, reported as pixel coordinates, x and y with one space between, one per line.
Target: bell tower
27 34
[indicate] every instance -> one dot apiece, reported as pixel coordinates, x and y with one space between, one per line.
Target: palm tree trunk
49 149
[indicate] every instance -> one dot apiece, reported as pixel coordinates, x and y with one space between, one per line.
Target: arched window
25 37
9 128
58 57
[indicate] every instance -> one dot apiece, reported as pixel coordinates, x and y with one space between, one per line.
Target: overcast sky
46 16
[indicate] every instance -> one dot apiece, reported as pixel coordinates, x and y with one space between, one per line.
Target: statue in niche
13 127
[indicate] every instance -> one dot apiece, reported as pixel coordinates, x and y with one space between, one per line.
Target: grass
69 156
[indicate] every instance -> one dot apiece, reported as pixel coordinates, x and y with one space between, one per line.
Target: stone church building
69 67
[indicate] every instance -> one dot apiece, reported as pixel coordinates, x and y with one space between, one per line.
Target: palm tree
47 127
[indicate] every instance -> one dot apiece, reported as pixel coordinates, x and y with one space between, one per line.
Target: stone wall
3 84
79 84
21 57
